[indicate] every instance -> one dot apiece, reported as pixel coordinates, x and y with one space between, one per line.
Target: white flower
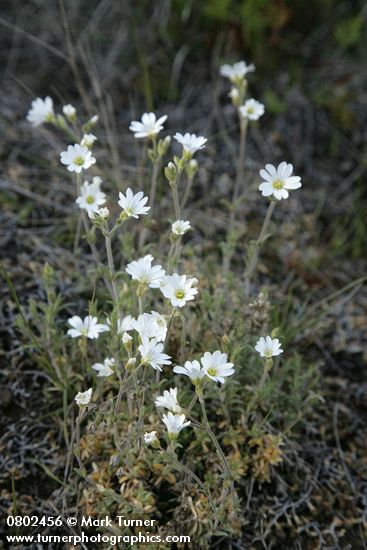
216 366
41 111
83 398
268 347
175 423
278 181
150 438
91 197
151 353
148 127
151 325
69 111
190 142
236 72
88 327
102 213
252 109
133 205
125 324
77 158
180 227
192 369
104 369
179 289
88 140
169 401
143 271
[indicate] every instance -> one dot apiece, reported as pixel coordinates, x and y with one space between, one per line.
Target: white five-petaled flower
77 158
180 227
152 354
216 366
179 289
89 327
133 205
69 111
149 126
41 111
190 142
174 423
252 109
83 398
151 325
88 140
268 347
143 271
150 438
278 181
104 369
91 197
192 369
169 401
236 72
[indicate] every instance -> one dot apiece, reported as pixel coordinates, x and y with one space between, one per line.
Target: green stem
153 185
172 456
123 382
215 440
256 251
176 201
111 266
187 191
267 366
240 162
77 441
230 246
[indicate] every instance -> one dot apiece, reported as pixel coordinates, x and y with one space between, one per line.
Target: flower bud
127 341
191 168
70 112
234 94
130 364
90 124
170 172
163 145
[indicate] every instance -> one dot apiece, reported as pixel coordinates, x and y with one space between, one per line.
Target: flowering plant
154 349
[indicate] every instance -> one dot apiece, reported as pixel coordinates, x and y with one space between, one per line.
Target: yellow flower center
90 199
180 294
278 184
250 110
79 161
212 371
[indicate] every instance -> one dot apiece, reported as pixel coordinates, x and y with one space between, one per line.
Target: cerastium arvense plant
141 394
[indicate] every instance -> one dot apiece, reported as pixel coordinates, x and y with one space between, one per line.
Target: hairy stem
111 267
77 440
172 456
256 251
176 201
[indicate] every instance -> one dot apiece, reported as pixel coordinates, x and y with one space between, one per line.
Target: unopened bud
191 168
170 172
130 364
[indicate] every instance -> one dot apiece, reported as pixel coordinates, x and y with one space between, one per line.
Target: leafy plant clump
180 385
